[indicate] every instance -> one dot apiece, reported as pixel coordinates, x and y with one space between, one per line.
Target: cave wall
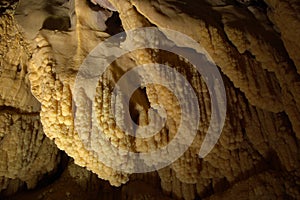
255 45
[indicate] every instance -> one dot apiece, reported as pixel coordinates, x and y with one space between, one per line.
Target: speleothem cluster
255 44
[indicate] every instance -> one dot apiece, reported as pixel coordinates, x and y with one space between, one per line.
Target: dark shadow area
45 181
114 24
57 23
94 7
52 177
139 95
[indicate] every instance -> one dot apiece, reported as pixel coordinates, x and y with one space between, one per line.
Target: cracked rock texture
256 46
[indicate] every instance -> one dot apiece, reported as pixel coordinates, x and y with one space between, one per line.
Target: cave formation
254 44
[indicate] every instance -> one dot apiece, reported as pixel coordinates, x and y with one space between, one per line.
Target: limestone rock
255 46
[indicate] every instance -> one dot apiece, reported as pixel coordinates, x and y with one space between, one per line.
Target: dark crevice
208 191
11 189
94 7
257 3
57 23
138 94
13 110
51 177
19 68
7 5
221 186
114 24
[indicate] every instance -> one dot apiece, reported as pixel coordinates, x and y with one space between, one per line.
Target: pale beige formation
14 83
26 153
255 46
52 71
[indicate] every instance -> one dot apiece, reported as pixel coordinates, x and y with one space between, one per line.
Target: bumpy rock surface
255 45
27 155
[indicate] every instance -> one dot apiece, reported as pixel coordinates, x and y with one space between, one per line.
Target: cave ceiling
63 120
